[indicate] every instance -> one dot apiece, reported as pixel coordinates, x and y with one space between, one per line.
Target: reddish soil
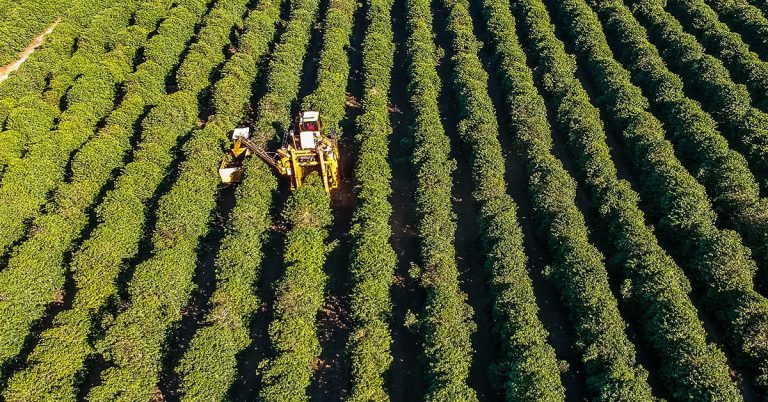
7 69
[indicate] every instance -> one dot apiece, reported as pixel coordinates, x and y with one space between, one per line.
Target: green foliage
35 272
25 186
284 72
208 368
184 215
183 218
329 97
51 70
299 295
60 355
715 260
27 124
121 213
744 65
733 190
23 20
446 322
372 260
194 74
578 267
658 291
30 79
709 82
747 20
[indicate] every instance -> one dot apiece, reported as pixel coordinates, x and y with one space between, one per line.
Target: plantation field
540 200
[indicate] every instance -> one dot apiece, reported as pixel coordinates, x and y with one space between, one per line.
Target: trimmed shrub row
529 366
54 365
98 39
274 109
204 56
183 218
214 348
299 295
716 260
330 94
25 117
37 269
23 20
653 285
731 186
744 65
578 267
30 79
745 19
372 260
446 322
708 81
27 288
26 185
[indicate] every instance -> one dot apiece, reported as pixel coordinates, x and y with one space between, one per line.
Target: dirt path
406 376
7 69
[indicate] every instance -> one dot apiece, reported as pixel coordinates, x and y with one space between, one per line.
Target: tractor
306 146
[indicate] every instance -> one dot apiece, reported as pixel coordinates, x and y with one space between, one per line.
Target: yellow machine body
306 147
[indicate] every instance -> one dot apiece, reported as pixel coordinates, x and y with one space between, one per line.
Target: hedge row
57 361
35 272
725 174
23 20
372 259
708 81
204 56
57 231
731 186
744 65
446 322
716 260
529 366
25 116
745 19
578 267
239 261
28 123
183 218
330 94
299 295
32 119
184 215
655 289
97 40
762 5
274 109
25 186
30 79
292 331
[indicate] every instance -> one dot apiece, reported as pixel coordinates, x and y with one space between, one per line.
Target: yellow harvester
306 146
